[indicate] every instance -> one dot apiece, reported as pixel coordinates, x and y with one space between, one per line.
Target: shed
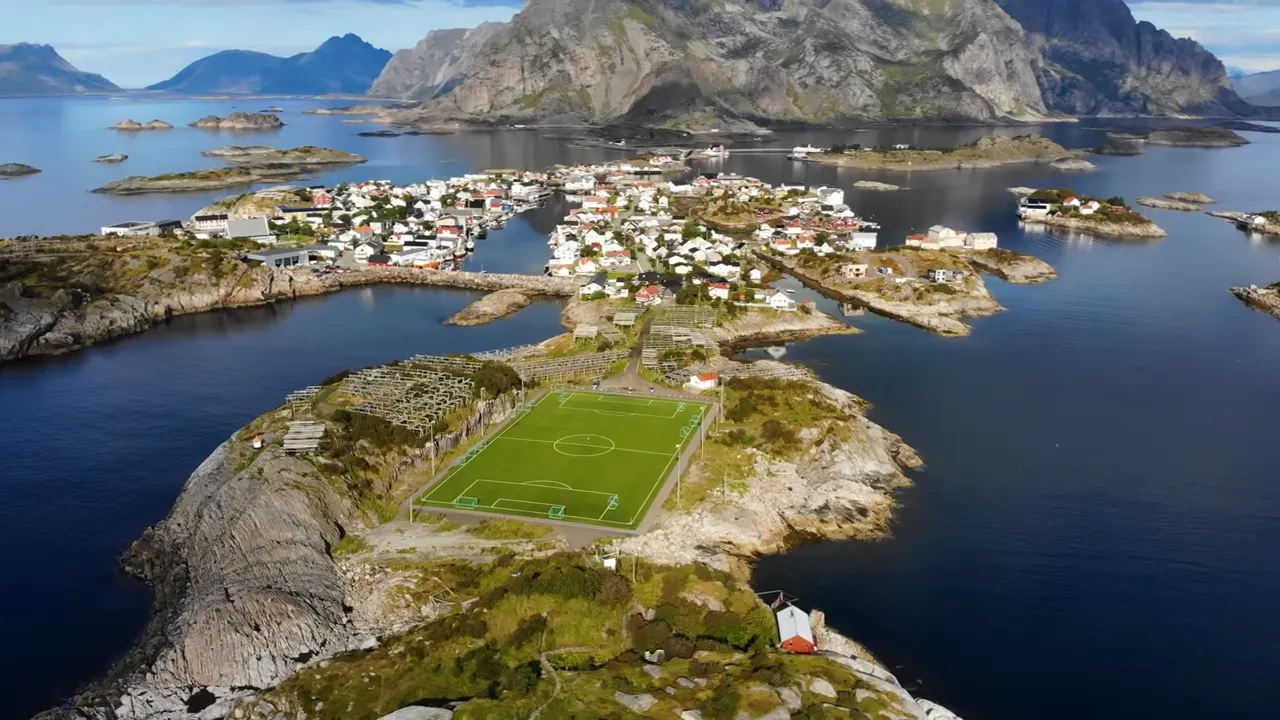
283 258
795 631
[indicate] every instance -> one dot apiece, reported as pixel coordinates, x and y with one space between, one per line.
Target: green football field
594 458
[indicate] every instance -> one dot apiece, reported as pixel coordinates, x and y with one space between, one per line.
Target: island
1211 136
1266 299
134 125
1012 266
1061 207
112 158
240 121
8 170
987 152
379 133
249 165
875 186
1119 145
491 307
1260 223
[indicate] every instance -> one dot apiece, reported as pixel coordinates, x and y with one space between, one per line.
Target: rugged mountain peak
1096 59
769 60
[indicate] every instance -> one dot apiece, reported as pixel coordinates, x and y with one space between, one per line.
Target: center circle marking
583 445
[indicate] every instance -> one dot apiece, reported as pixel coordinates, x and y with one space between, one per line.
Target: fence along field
592 458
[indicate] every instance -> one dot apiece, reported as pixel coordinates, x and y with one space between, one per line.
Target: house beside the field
705 381
795 631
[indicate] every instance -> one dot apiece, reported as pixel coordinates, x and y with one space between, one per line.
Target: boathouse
795 632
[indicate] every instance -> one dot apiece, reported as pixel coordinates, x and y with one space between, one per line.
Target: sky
135 43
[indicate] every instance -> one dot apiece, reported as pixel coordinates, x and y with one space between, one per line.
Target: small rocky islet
111 158
239 121
135 126
8 170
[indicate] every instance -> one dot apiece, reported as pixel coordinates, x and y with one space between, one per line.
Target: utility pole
679 479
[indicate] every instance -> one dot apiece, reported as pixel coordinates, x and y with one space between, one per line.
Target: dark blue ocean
1097 533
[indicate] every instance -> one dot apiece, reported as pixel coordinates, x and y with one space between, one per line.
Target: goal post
466 503
556 512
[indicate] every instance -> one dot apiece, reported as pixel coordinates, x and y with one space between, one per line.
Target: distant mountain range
1260 88
824 62
343 64
27 69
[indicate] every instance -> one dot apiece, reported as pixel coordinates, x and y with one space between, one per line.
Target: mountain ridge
812 62
342 64
31 69
1261 88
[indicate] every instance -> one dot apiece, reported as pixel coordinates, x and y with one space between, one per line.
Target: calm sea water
1096 534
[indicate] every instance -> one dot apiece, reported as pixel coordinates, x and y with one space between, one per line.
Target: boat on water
776 351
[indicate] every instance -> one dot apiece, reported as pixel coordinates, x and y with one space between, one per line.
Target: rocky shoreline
491 307
1167 204
1266 299
248 165
1098 227
769 326
1013 267
71 320
239 121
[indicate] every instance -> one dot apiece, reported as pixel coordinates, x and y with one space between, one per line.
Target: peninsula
62 294
988 152
930 289
1261 223
1064 208
284 582
1266 299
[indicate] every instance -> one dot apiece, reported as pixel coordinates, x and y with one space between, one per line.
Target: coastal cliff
75 298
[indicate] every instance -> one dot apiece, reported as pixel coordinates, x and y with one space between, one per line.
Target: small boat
460 254
471 244
484 232
790 291
776 351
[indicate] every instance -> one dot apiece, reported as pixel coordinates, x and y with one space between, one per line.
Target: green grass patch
504 529
350 545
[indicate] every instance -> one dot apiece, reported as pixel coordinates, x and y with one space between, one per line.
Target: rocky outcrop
1167 204
1191 197
768 326
306 157
71 320
875 186
16 170
664 62
240 121
1125 147
1266 299
27 69
134 125
112 158
1073 165
1010 266
246 592
1094 58
490 307
841 486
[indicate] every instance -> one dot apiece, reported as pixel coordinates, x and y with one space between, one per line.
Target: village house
649 295
794 631
854 271
718 291
780 301
703 381
255 229
212 223
596 284
366 250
